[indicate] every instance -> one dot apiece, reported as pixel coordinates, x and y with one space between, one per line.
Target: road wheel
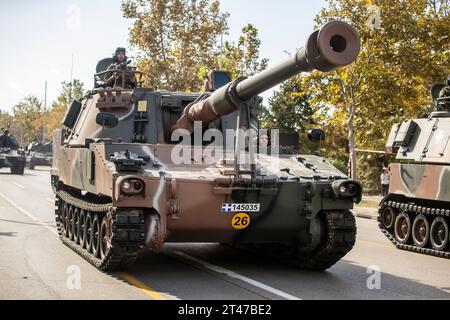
402 228
82 228
388 217
63 220
439 234
88 232
105 237
95 233
76 225
338 229
18 169
70 223
66 219
420 231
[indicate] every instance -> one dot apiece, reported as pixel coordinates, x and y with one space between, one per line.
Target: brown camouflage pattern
427 182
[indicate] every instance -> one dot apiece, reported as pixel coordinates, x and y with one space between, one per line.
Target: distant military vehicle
118 187
11 155
39 154
415 215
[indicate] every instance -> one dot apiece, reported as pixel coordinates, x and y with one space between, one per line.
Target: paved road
35 265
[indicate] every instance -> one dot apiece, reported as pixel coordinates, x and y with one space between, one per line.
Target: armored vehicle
39 154
415 215
124 180
11 156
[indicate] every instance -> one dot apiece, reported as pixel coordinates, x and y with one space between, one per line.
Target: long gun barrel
334 45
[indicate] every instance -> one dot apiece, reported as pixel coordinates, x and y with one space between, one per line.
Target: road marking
19 185
376 244
50 200
128 278
29 215
144 288
191 260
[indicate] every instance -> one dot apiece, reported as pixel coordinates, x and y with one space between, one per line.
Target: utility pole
221 49
43 112
71 80
221 52
21 135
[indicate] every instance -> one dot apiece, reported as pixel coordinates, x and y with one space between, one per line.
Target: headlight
137 185
126 186
347 189
132 186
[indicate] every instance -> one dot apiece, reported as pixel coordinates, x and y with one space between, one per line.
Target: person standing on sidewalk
385 181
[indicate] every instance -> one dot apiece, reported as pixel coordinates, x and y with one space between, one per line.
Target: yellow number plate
241 221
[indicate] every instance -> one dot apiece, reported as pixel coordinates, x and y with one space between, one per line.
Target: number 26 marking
241 221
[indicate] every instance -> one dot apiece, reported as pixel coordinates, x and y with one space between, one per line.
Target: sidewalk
368 208
375 199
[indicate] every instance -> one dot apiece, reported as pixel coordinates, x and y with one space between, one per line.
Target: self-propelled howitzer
415 215
11 155
119 187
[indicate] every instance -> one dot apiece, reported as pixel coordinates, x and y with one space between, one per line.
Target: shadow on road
41 169
346 280
8 234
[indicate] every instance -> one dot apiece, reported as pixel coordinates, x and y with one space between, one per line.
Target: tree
176 38
405 49
290 110
28 121
243 58
5 119
54 116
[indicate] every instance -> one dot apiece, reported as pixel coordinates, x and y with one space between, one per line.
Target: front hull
189 199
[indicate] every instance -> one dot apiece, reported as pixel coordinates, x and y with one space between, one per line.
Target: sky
39 38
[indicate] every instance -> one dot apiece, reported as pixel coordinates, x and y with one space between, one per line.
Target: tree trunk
351 142
351 136
350 105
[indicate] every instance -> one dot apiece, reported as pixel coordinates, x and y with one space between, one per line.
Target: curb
366 216
366 213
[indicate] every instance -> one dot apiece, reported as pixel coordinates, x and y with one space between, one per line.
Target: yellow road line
376 244
144 288
126 277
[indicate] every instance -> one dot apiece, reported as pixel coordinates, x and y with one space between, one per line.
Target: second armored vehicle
415 215
10 154
39 154
123 181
